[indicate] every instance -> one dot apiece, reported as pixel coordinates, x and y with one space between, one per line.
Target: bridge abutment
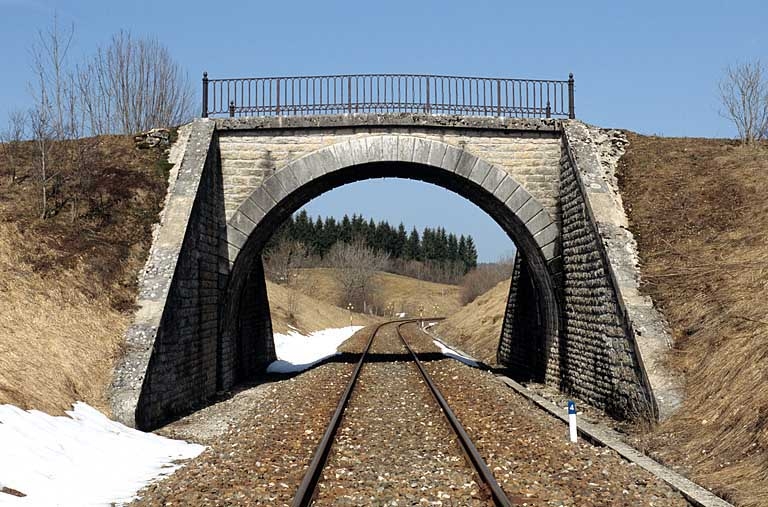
204 324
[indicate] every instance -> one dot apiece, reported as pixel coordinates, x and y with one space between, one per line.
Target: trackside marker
572 420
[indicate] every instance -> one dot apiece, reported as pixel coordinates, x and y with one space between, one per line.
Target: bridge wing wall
181 348
170 359
645 340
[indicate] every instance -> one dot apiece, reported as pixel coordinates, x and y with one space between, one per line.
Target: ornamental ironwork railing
388 93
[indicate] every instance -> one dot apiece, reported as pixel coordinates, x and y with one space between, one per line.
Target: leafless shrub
354 265
744 97
133 85
483 278
282 262
11 138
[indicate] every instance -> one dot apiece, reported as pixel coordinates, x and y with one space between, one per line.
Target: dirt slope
476 327
67 283
404 293
291 308
699 209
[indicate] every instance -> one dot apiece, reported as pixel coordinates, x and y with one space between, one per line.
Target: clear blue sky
651 67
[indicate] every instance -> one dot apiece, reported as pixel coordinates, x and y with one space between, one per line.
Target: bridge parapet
204 319
388 93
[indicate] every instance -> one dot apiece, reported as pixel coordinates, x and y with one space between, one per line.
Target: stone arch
491 188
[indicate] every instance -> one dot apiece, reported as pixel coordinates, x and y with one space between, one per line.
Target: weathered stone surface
204 324
597 152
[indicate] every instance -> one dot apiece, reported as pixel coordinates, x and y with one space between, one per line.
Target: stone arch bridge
574 316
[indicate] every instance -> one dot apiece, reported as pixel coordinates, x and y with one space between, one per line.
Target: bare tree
744 96
40 123
49 62
483 278
134 85
282 261
11 138
355 264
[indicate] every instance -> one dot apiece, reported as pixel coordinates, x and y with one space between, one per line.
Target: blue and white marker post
572 420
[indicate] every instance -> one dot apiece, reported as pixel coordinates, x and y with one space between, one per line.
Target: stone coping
544 125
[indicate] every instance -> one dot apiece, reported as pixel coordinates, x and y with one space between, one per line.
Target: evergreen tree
471 255
330 234
317 240
358 228
413 246
453 248
370 235
302 228
401 237
345 231
462 253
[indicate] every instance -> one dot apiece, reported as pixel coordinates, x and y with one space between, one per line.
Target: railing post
349 93
549 110
205 95
427 108
232 109
277 108
571 110
498 97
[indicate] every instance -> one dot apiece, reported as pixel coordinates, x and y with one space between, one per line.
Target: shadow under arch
491 188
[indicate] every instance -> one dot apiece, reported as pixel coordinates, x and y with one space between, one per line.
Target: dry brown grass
67 283
291 308
57 345
699 208
476 328
405 294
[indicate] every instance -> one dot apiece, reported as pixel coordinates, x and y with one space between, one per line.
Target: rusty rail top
388 93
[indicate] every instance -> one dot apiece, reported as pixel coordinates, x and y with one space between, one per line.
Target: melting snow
296 352
455 354
83 459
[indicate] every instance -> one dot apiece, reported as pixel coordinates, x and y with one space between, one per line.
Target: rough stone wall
170 363
248 157
597 152
521 346
596 356
255 348
182 348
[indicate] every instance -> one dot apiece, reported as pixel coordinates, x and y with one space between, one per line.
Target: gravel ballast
394 446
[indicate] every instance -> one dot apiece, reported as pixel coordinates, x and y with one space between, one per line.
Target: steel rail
308 484
486 476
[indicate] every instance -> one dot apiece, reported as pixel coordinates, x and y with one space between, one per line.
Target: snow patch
83 459
297 352
455 354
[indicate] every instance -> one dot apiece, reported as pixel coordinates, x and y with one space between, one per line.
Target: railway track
307 490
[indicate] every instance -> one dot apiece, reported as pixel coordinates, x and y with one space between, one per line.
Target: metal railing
388 93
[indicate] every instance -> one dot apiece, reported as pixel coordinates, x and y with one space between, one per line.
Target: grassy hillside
67 283
476 327
404 293
699 209
290 307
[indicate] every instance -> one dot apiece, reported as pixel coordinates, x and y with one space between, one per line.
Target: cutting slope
699 210
476 327
405 294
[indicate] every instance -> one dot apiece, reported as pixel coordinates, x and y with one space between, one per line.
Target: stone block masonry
597 354
171 359
203 322
249 157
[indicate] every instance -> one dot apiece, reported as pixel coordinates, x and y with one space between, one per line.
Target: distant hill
405 294
476 327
